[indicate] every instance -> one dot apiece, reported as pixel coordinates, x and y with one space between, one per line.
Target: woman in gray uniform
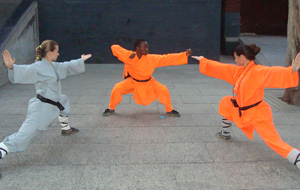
49 102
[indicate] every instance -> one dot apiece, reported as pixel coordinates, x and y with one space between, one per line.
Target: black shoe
226 138
108 112
173 113
69 131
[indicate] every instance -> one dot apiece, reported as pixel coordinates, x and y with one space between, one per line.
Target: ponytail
44 48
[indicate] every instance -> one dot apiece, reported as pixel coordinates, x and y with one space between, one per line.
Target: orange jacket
142 69
249 83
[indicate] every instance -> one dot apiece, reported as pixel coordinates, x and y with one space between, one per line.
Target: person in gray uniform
49 103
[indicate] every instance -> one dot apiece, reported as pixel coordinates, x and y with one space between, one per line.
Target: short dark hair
138 42
249 51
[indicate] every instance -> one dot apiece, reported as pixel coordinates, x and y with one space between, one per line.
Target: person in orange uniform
246 107
138 69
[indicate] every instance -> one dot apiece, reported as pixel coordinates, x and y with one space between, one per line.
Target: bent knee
117 88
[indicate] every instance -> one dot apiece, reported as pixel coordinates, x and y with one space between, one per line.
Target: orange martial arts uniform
146 89
249 83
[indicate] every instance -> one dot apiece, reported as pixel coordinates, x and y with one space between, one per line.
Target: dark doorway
264 17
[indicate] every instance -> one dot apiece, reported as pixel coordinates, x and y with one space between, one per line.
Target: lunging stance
49 102
138 69
246 107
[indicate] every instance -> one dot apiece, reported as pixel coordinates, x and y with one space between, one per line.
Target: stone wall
89 26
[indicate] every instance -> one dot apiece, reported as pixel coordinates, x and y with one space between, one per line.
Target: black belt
243 108
128 75
46 100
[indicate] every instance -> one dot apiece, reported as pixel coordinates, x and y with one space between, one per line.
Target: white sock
3 149
294 156
64 121
66 127
226 124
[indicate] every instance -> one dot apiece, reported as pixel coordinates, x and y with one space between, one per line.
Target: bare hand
197 57
188 52
85 57
132 56
296 63
8 61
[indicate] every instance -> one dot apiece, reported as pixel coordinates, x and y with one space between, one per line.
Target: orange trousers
127 86
269 134
262 122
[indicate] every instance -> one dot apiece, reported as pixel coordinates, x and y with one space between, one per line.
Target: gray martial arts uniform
46 78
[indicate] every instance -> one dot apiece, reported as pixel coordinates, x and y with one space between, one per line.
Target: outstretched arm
227 72
121 53
281 77
171 59
22 74
72 67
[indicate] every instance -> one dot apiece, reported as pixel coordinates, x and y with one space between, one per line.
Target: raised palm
85 57
8 61
197 57
296 63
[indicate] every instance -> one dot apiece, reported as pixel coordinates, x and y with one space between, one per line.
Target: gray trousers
37 120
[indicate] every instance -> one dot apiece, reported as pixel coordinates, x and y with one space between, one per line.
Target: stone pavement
136 148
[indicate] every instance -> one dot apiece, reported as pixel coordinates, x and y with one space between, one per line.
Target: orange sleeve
227 72
121 53
278 77
171 59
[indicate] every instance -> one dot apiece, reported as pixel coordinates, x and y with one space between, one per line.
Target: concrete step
278 105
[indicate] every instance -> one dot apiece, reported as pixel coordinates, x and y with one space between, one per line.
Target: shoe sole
107 114
71 133
173 115
223 138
